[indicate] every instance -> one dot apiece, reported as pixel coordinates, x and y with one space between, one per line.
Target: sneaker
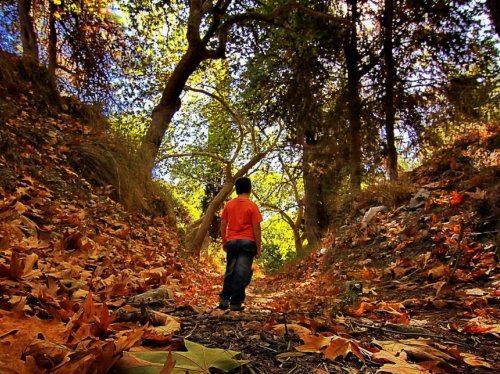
236 307
223 304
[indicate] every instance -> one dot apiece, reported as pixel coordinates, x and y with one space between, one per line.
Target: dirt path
259 333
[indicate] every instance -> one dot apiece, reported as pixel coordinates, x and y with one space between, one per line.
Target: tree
494 9
390 75
353 95
78 41
216 20
281 191
250 148
29 37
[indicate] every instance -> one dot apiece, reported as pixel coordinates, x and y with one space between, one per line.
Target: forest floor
408 283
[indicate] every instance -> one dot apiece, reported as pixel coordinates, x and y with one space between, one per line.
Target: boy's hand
224 247
259 254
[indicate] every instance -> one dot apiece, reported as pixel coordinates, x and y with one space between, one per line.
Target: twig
326 369
270 349
284 322
190 332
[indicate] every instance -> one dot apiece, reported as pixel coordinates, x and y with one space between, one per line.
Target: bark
353 97
297 239
28 35
52 48
169 104
390 74
494 8
315 215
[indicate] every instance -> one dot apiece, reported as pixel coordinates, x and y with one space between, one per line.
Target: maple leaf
198 359
395 364
341 347
47 355
416 348
362 309
313 343
282 329
169 366
479 325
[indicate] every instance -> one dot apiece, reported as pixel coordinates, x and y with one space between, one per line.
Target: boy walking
241 240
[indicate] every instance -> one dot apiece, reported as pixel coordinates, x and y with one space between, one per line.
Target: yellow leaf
280 329
473 360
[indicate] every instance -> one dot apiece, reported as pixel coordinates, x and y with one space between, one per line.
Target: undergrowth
102 156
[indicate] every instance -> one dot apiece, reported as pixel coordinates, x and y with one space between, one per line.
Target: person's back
241 215
241 240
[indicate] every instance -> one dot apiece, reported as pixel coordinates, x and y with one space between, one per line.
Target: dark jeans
239 259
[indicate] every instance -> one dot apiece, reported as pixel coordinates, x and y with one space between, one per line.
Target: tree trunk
390 74
314 213
27 29
354 100
494 8
195 245
297 239
52 49
169 104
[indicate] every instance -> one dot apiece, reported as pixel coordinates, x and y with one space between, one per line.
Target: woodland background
369 130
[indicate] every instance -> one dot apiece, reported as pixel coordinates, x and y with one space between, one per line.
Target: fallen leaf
456 199
473 360
313 343
341 347
281 330
198 359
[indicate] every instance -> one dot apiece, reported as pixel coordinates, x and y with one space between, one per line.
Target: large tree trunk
315 216
27 29
390 74
52 49
169 104
354 100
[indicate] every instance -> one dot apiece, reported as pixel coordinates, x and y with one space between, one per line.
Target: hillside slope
65 244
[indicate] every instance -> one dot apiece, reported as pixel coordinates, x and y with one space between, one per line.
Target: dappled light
255 187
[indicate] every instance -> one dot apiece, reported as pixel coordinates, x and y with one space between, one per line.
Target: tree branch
196 154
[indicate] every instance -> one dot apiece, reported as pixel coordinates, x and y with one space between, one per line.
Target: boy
241 240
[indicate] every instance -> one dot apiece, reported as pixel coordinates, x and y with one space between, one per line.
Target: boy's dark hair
243 185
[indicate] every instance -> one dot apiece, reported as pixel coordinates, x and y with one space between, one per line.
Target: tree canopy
315 99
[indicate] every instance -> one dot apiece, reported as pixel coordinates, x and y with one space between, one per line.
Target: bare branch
261 17
240 122
197 154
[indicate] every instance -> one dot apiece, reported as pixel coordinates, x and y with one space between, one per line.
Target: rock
371 213
419 198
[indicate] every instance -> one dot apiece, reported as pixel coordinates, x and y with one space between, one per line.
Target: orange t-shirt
241 214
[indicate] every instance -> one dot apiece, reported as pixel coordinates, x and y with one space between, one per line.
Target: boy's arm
258 238
223 228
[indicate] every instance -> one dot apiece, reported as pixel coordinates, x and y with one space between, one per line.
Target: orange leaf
456 199
340 347
362 309
313 343
169 366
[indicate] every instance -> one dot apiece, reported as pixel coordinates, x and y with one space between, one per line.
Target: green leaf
198 359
